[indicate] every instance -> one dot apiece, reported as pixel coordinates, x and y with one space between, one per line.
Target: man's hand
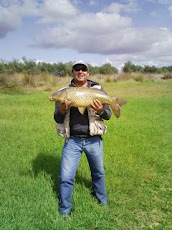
97 106
64 106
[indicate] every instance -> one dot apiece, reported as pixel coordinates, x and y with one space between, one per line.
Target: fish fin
116 106
81 110
121 101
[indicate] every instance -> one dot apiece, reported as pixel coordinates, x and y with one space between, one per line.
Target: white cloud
92 2
158 54
130 6
55 11
163 2
114 8
12 12
106 32
108 61
154 14
12 23
91 33
11 16
7 3
101 33
170 9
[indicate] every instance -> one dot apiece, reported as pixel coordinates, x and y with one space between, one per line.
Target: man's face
80 73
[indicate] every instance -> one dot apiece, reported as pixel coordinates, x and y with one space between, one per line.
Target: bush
167 76
124 77
27 81
139 78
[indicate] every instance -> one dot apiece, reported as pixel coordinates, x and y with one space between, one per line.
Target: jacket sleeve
58 117
106 114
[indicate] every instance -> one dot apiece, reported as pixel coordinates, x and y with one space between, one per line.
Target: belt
81 136
85 136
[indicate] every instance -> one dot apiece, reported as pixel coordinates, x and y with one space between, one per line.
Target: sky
95 31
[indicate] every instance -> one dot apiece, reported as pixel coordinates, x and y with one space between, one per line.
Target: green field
137 160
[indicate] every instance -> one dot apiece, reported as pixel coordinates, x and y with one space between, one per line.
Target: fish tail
116 106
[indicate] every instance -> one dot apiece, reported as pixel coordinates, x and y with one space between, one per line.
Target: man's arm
106 113
58 117
60 110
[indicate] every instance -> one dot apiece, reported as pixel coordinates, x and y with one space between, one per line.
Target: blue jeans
71 155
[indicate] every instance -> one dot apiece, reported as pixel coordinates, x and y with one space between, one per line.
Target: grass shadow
50 165
47 164
83 181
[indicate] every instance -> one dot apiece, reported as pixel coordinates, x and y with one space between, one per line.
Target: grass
137 160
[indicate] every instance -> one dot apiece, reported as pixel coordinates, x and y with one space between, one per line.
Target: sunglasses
78 68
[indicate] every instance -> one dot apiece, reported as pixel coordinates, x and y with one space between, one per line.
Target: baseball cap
80 62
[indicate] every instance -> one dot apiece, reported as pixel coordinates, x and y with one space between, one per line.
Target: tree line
129 67
57 69
64 69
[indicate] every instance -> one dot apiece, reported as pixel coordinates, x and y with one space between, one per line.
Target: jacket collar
90 83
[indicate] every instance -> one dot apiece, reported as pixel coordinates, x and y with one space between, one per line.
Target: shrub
139 78
124 77
167 76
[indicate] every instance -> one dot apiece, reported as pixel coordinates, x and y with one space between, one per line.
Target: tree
129 67
108 69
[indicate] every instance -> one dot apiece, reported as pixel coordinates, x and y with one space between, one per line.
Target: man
80 140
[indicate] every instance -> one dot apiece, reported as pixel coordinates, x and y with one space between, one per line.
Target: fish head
59 95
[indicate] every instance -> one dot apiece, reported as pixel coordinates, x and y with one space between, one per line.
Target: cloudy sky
97 31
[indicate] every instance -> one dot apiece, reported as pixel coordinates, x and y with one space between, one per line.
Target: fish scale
83 97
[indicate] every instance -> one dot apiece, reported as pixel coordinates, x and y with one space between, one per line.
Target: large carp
83 97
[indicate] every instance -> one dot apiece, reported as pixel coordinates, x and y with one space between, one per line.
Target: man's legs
94 152
70 159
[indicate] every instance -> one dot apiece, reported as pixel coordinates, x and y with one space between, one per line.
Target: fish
83 97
